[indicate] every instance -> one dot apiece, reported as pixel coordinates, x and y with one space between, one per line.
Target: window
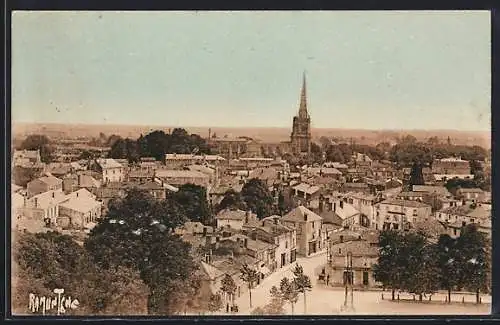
340 250
414 220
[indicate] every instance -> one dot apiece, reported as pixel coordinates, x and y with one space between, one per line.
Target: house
25 158
44 206
176 161
306 192
194 228
454 218
271 230
269 175
153 188
59 169
15 188
443 178
309 229
364 203
327 172
44 184
356 187
364 255
470 194
411 196
74 182
110 170
349 215
140 175
22 221
234 218
264 253
181 177
361 159
429 189
79 212
339 166
400 214
212 173
451 165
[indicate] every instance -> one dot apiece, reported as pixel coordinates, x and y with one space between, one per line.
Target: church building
301 130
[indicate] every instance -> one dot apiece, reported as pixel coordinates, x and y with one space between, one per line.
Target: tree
232 200
215 303
193 200
388 269
249 276
473 261
51 260
228 286
289 292
421 268
448 258
301 282
41 143
275 307
137 232
258 198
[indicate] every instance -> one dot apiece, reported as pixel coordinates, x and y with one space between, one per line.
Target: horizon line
244 127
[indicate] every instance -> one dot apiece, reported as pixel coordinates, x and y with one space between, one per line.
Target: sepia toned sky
371 70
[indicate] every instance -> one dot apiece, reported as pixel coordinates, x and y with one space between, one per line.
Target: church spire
303 98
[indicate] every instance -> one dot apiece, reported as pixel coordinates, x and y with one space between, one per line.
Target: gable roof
49 180
298 215
82 204
108 163
441 190
228 214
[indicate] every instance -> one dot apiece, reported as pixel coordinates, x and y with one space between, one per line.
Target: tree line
158 143
410 262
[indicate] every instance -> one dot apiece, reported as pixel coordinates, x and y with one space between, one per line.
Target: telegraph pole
349 279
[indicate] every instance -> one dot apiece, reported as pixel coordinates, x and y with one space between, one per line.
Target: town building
26 158
44 184
455 218
364 256
234 218
181 177
177 161
79 212
272 231
44 206
400 214
110 170
471 194
451 166
309 229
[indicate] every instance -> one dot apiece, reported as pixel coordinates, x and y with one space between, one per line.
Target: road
322 300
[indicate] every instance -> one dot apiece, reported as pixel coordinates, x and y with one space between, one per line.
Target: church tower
301 130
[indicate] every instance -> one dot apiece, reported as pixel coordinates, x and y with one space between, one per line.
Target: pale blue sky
372 70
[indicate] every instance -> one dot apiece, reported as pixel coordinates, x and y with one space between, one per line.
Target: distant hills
52 130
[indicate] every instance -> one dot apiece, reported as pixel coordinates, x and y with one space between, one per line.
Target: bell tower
301 129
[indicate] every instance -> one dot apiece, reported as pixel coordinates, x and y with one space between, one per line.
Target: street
322 300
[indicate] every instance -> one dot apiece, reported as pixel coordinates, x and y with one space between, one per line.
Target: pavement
323 300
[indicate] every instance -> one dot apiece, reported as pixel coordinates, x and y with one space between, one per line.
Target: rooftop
228 214
171 173
82 204
299 214
306 188
174 156
108 163
469 210
405 203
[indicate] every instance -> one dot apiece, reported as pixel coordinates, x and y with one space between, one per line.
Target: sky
364 70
